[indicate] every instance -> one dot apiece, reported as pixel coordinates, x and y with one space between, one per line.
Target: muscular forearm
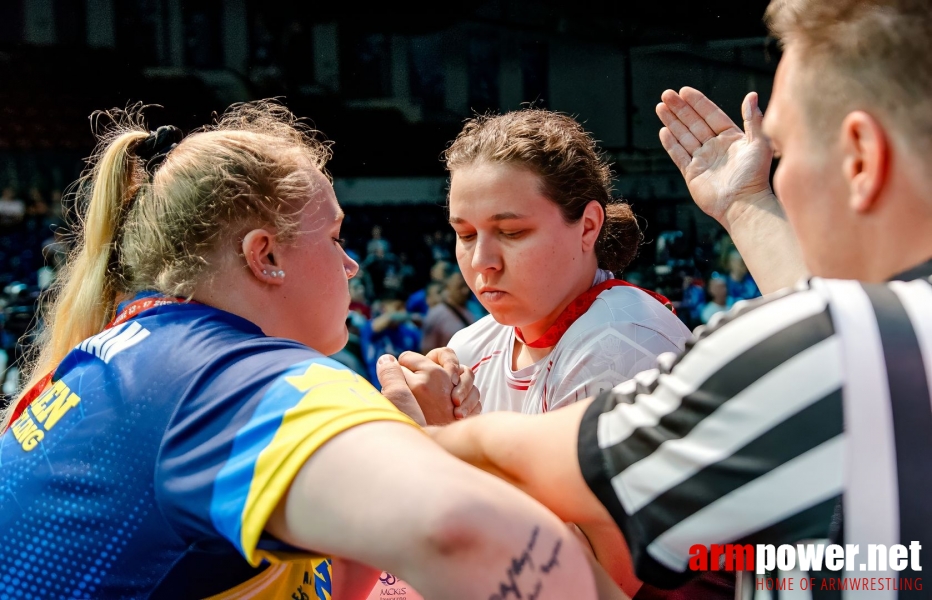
515 448
767 243
536 453
394 501
475 441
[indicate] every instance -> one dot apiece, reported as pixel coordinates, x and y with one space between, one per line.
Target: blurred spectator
390 332
418 302
356 319
37 206
741 285
12 209
690 307
377 245
54 252
439 244
449 316
399 273
720 300
434 294
358 300
380 264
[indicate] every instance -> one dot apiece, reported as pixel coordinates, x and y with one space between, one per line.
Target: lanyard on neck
578 308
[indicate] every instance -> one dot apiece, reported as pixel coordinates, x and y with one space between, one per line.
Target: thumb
395 389
753 117
390 375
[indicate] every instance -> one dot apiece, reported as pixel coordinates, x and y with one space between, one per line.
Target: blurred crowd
32 247
392 310
391 314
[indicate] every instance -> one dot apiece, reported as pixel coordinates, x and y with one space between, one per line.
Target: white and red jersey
620 334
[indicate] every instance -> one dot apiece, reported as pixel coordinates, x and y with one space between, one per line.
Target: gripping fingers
464 387
471 407
446 358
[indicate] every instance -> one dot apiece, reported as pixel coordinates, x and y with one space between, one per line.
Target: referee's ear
865 160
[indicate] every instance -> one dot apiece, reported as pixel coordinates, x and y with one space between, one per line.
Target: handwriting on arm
524 563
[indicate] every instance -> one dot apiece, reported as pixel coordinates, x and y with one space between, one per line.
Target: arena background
391 85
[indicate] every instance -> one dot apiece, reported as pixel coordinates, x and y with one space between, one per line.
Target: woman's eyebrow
505 216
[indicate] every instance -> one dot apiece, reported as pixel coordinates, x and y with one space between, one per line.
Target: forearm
475 441
395 501
767 243
535 453
611 550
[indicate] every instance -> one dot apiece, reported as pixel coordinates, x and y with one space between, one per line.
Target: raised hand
726 169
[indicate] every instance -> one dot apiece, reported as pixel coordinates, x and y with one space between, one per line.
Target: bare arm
727 171
538 454
395 501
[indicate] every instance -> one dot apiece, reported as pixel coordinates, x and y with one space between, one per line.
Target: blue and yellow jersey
153 460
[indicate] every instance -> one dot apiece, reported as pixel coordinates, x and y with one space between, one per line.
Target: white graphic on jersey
111 342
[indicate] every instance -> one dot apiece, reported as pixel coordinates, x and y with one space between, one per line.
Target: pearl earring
281 273
264 272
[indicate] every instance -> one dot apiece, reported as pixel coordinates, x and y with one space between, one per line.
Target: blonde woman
193 440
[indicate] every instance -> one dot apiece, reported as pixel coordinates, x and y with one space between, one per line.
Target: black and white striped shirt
775 413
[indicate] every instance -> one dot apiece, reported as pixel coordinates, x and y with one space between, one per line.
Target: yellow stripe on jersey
333 402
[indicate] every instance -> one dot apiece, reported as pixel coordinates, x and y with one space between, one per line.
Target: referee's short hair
871 54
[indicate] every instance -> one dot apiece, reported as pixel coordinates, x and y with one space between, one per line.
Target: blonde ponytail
84 297
163 232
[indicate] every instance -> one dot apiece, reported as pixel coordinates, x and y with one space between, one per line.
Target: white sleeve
600 358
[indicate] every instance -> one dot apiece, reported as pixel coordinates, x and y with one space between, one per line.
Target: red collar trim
133 309
578 308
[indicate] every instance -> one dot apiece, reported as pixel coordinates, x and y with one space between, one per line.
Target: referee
805 415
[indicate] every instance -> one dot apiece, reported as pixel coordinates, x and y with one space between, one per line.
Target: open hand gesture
726 169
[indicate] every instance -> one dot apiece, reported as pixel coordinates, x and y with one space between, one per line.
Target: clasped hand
433 390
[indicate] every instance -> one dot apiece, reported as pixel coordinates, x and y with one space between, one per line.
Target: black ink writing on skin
537 590
510 588
553 562
517 566
505 590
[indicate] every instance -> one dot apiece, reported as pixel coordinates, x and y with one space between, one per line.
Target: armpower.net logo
835 565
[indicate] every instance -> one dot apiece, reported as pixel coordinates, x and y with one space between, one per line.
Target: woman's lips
491 295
